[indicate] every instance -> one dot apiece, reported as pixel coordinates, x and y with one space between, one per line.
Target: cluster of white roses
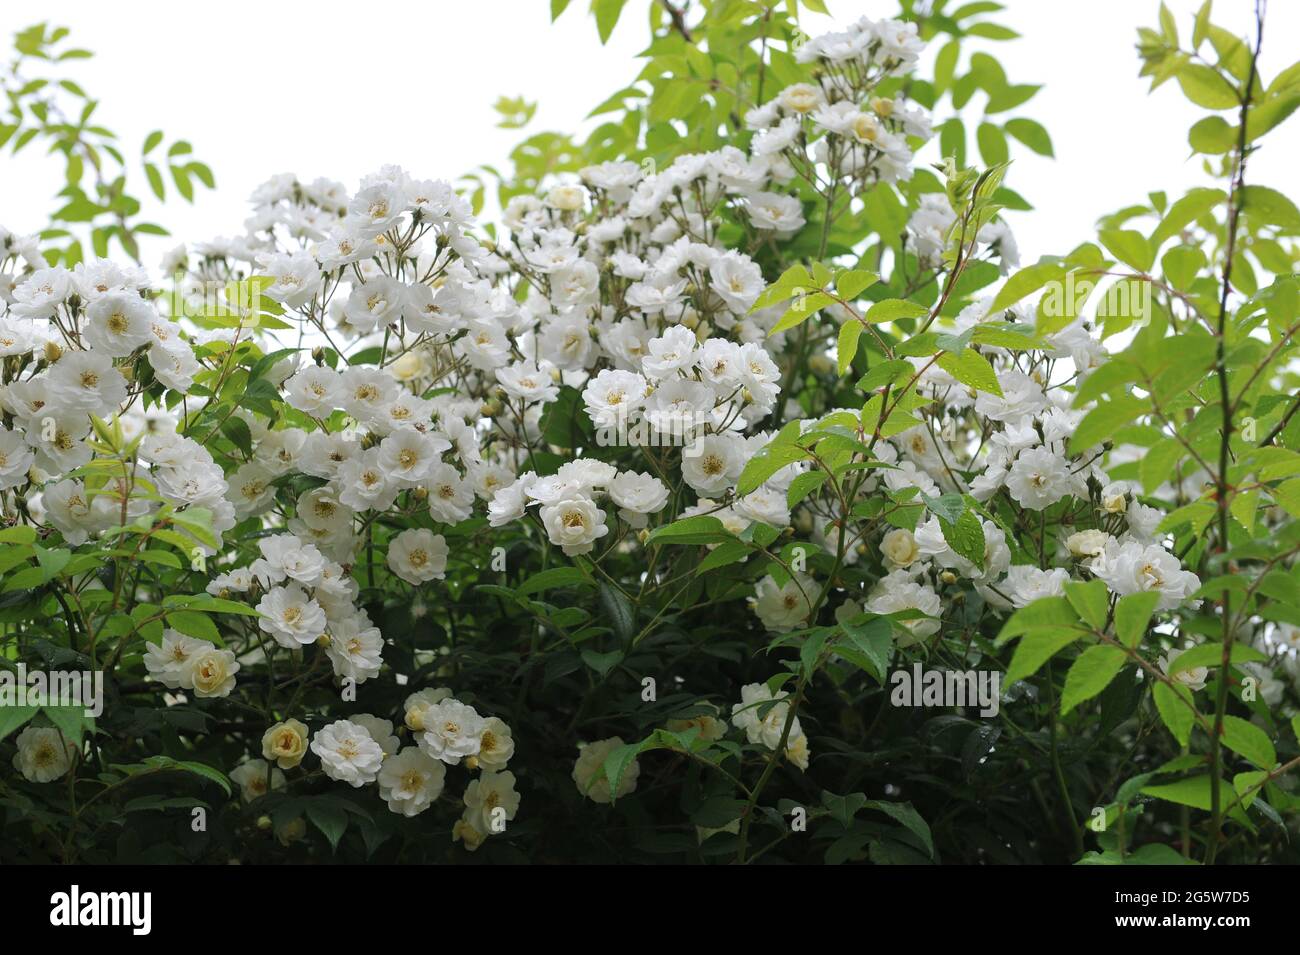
631 289
363 749
635 299
1015 445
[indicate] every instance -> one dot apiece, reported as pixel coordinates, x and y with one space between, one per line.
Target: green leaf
1103 421
1036 647
1090 674
966 537
190 766
618 611
14 717
607 13
194 624
724 554
236 429
1174 704
875 640
803 307
616 764
552 578
1132 613
972 369
1212 136
1130 247
1206 87
1025 282
884 373
1046 612
893 309
1091 600
1193 791
702 529
1270 207
331 820
903 813
850 283
766 463
1032 134
846 347
1211 655
803 485
992 143
71 721
1246 739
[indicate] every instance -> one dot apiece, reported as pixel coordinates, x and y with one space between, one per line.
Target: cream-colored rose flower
1088 543
418 703
899 547
566 198
710 726
43 754
866 128
1113 500
213 672
286 743
589 771
801 98
466 833
796 750
496 745
411 365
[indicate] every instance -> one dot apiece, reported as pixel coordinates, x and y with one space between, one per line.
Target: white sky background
333 89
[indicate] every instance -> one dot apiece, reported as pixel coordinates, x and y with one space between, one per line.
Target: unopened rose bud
471 762
264 823
323 640
52 352
948 577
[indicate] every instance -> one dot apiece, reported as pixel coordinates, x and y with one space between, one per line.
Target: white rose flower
450 731
291 617
417 704
1039 478
418 555
43 754
574 524
1132 567
490 801
638 495
410 781
782 608
348 753
255 778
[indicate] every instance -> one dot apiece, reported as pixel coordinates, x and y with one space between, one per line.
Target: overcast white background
337 89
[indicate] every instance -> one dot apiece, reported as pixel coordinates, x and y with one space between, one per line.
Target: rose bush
613 526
